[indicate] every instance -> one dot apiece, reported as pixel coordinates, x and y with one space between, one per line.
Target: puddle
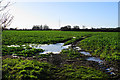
95 59
54 48
14 55
88 54
77 48
85 53
110 70
98 60
74 37
58 47
13 46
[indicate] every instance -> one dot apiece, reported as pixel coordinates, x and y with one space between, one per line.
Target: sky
89 14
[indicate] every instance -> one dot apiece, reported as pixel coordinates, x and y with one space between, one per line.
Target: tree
36 27
76 28
46 27
66 28
92 28
118 28
5 17
41 27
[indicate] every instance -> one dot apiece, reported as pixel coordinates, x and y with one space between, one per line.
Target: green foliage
16 69
81 73
29 53
73 40
102 44
38 37
105 45
20 51
71 53
43 55
10 50
28 47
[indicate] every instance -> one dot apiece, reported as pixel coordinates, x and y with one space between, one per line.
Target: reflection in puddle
74 37
78 48
110 70
14 55
57 48
95 59
98 60
54 48
13 46
85 53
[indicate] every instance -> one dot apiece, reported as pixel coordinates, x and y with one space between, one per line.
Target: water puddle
74 37
14 55
77 48
58 47
54 48
85 53
95 59
110 70
88 54
13 46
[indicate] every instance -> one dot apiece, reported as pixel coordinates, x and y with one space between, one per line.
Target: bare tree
5 17
4 6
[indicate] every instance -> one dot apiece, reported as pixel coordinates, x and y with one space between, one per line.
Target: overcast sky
89 14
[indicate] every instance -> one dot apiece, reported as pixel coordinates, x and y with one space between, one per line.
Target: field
104 45
40 37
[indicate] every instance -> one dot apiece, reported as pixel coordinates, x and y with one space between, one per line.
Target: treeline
35 27
76 28
40 27
69 28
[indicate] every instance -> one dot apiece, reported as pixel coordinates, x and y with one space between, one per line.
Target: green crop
71 54
21 51
104 45
38 37
81 73
17 69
